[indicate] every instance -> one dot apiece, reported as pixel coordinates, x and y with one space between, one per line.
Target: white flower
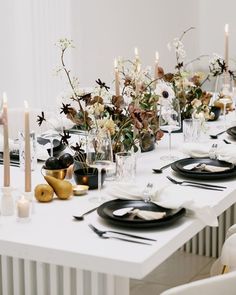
179 48
214 58
97 91
196 103
184 83
129 92
96 109
164 90
65 43
215 63
107 124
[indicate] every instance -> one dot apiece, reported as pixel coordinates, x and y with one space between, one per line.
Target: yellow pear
43 192
62 188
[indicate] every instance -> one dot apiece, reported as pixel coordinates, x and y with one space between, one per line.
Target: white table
53 254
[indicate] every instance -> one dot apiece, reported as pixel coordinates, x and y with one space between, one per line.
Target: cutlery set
110 234
198 184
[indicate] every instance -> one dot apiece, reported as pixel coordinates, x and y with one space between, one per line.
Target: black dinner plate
232 131
106 212
181 164
200 175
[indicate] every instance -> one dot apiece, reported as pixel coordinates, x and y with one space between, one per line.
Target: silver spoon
162 168
81 217
226 141
215 136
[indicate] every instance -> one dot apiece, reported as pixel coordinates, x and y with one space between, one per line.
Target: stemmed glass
169 120
99 155
223 90
224 101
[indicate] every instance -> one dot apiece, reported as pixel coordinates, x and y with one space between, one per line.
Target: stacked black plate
181 168
232 131
106 212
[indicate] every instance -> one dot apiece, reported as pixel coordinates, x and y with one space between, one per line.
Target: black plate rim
203 172
230 132
138 223
204 176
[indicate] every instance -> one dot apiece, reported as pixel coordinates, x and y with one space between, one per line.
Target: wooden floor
180 268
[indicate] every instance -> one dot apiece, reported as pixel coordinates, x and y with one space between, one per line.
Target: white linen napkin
169 196
148 215
205 167
224 152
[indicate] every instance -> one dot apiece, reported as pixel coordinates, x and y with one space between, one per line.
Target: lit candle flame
26 105
227 29
115 63
4 96
157 56
136 52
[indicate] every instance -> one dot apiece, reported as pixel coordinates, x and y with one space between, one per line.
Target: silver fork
198 184
105 235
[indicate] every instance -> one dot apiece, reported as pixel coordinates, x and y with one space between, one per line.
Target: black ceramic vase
86 175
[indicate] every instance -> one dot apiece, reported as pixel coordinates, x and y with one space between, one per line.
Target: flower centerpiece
187 87
224 76
130 117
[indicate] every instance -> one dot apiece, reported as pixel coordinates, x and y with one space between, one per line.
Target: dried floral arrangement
188 86
131 117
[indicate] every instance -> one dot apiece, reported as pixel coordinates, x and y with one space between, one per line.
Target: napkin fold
148 215
168 196
205 167
223 152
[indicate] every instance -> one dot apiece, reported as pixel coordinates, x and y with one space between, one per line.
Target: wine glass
223 91
225 100
99 155
170 120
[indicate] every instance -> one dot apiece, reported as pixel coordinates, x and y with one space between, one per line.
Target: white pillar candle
27 150
23 208
6 151
117 78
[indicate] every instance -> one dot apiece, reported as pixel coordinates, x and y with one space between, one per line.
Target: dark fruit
53 163
66 160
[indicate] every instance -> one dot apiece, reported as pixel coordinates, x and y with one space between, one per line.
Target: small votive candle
23 208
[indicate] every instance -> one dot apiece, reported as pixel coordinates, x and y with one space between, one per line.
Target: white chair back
228 253
218 285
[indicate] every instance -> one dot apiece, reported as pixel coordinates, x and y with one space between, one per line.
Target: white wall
28 56
101 30
105 29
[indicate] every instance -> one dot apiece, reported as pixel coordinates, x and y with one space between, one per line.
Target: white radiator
23 277
209 241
